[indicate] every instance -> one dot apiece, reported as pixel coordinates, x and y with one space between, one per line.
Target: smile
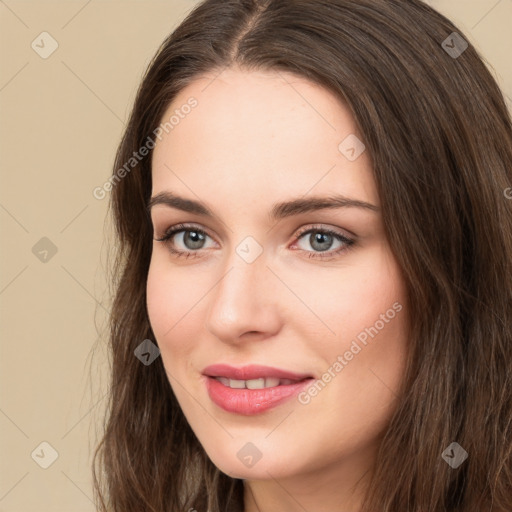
262 383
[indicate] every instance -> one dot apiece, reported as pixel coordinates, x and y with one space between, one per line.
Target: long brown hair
439 136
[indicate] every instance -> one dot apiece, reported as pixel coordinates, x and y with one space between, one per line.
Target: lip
252 371
251 401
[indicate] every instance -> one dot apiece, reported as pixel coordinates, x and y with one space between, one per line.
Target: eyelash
166 238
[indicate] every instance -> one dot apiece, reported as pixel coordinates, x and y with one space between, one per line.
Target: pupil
319 237
194 238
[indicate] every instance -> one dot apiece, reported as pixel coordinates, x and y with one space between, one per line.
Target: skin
254 139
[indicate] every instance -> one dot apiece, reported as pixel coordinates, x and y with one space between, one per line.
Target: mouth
252 389
261 383
253 374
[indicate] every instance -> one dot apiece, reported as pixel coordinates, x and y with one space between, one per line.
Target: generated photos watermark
179 114
343 360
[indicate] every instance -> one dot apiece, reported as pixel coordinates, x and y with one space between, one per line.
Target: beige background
60 120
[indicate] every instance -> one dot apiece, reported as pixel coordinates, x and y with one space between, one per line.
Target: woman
313 302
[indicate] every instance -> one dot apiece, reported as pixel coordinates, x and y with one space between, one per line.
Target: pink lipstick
252 389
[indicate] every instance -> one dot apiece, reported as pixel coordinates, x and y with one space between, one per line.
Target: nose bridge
241 300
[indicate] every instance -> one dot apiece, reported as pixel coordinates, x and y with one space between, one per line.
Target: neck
336 487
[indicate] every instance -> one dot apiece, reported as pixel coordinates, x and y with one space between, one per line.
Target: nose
243 303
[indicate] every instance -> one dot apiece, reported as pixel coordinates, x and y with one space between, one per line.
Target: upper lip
250 372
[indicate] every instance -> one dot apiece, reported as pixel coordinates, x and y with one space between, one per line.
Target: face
301 288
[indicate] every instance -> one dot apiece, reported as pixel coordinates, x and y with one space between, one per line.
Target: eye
191 237
321 240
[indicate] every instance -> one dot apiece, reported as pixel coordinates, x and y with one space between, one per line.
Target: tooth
255 383
271 382
260 383
236 384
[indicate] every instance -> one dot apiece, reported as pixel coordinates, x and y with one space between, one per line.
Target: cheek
168 302
175 299
375 294
344 301
366 308
374 345
159 298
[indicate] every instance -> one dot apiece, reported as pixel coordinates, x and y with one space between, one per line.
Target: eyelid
185 226
326 227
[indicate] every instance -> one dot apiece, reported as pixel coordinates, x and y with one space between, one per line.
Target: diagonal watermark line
301 300
14 423
486 14
74 218
199 403
77 487
319 180
19 19
13 77
279 424
220 220
71 71
383 382
214 78
84 416
289 83
286 491
14 485
14 218
248 487
194 305
84 288
91 408
13 279
75 15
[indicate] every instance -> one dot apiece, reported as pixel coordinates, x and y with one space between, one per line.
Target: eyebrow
278 210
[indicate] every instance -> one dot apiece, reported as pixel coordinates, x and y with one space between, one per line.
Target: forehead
257 132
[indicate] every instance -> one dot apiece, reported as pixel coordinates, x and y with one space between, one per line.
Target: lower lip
251 401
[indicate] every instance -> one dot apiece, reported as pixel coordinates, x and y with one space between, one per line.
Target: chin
238 464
